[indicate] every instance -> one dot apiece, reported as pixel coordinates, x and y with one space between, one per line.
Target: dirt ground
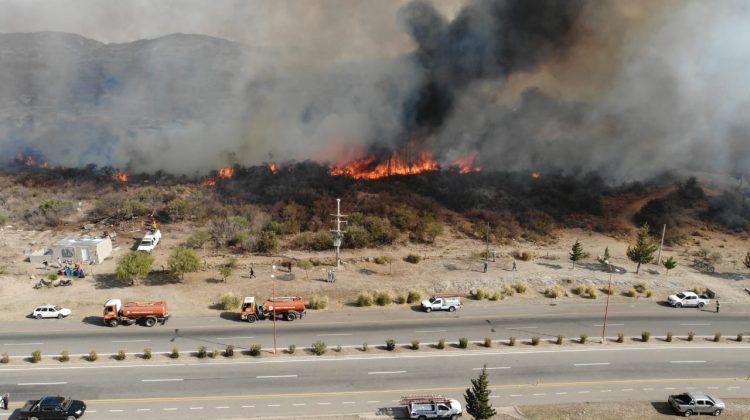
452 264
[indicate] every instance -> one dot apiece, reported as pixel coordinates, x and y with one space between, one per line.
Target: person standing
717 306
486 264
6 397
514 266
252 272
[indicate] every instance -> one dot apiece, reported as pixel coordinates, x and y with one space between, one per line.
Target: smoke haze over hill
627 89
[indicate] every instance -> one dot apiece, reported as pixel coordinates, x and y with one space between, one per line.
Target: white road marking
170 409
695 324
605 390
611 325
522 328
539 394
222 407
626 389
196 408
493 368
687 361
669 388
248 406
648 389
130 341
386 373
516 395
41 383
583 392
592 364
137 409
561 393
275 376
324 403
332 335
373 402
232 338
91 411
23 344
713 387
430 331
298 404
116 411
274 405
163 380
348 402
733 387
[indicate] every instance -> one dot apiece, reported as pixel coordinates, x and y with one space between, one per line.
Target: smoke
627 89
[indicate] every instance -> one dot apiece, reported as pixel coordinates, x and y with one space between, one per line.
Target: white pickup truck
688 299
148 243
442 302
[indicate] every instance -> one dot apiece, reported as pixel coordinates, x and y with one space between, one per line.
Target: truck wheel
38 316
33 418
250 318
678 305
452 309
112 323
422 418
454 417
700 305
688 413
428 310
59 316
717 412
291 316
150 322
71 418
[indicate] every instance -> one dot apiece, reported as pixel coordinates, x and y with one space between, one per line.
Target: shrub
5 359
53 276
630 292
480 294
620 337
669 337
520 287
413 258
552 292
463 342
739 337
521 255
229 351
230 301
175 354
365 346
414 296
579 290
202 352
717 337
36 356
645 336
214 353
364 299
415 344
440 344
390 344
559 340
291 349
582 339
400 299
121 355
649 293
496 295
691 336
512 341
147 353
254 350
384 297
318 348
338 349
608 291
487 342
64 356
197 240
93 356
509 291
317 302
591 292
535 341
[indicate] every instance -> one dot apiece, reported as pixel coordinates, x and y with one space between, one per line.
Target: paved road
353 327
265 387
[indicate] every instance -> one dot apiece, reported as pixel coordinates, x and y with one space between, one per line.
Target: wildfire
120 176
536 175
467 164
226 173
273 167
369 168
209 181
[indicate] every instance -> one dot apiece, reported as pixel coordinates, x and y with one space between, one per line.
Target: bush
535 341
487 342
229 351
620 337
121 355
591 292
337 349
645 336
717 337
512 341
175 354
608 290
552 292
630 293
463 342
582 339
649 293
559 340
291 349
509 291
36 356
202 352
254 350
669 337
214 353
230 301
413 258
197 240
480 294
64 356
146 353
496 295
317 302
415 344
383 298
92 356
365 346
579 290
318 348
5 359
414 296
400 299
739 338
520 287
691 336
364 299
521 255
390 344
53 276
441 344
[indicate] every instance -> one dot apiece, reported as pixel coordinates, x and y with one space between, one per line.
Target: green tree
133 266
225 270
669 264
576 253
389 259
478 397
643 250
746 261
604 259
183 260
305 265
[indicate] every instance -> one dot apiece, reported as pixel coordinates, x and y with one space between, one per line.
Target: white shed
84 250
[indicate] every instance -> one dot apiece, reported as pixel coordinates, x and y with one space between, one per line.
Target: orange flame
536 175
273 167
467 164
226 173
368 168
120 176
44 165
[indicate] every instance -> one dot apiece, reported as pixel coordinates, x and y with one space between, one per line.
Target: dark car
52 408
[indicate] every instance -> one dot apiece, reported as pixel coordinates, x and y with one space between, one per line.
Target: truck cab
149 241
249 311
442 302
432 407
52 408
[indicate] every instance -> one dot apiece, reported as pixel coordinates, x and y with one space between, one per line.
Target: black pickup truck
52 408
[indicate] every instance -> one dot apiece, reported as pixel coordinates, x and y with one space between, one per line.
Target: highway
354 326
373 382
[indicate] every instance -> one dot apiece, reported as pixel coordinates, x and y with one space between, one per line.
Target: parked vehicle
422 407
688 299
50 311
289 308
696 403
52 408
149 313
149 241
442 302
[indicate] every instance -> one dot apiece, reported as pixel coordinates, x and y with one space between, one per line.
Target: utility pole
487 250
663 231
338 233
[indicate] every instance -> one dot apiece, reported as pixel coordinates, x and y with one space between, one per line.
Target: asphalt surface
369 383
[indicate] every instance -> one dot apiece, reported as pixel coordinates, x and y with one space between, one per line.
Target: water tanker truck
149 313
289 308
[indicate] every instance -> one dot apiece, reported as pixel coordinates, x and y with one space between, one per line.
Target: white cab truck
442 302
688 299
148 243
423 407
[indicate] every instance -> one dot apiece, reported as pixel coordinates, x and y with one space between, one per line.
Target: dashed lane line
248 406
274 376
222 407
163 380
387 372
233 338
492 368
138 409
41 383
23 344
170 409
130 341
687 361
592 364
196 408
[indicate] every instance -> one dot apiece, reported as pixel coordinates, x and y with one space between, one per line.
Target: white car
50 311
688 299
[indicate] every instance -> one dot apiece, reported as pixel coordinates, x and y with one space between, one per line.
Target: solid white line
429 331
386 373
687 361
332 335
232 338
695 324
130 341
275 376
22 344
41 383
163 380
592 364
492 368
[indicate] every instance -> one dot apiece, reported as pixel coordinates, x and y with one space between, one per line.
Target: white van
442 302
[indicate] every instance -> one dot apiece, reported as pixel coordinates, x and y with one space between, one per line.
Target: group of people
331 276
70 270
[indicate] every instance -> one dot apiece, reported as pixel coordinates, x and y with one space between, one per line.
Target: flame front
467 164
536 175
368 168
226 173
120 176
273 167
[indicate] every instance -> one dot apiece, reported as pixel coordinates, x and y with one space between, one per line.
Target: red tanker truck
115 313
289 308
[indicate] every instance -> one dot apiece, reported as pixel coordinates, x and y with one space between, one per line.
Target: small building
83 250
